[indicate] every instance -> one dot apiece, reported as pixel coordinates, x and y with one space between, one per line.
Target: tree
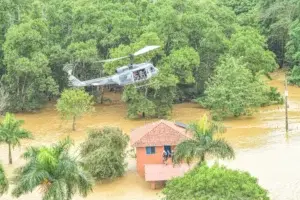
183 63
3 181
28 79
38 38
73 103
203 143
212 183
138 104
233 91
11 133
247 11
276 17
248 45
103 153
274 97
293 53
54 170
82 54
240 6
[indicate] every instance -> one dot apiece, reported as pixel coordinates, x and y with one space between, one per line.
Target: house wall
142 158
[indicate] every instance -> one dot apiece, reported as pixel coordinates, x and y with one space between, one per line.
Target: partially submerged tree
294 77
103 153
233 91
73 103
54 170
3 181
215 183
203 143
11 133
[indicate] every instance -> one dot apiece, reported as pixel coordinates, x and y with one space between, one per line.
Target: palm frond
185 151
63 145
28 177
53 170
57 190
85 182
203 142
221 149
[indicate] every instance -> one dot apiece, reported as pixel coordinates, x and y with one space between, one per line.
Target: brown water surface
260 142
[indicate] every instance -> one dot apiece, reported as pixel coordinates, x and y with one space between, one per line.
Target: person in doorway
165 157
169 154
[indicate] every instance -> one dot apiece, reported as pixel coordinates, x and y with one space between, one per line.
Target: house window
150 150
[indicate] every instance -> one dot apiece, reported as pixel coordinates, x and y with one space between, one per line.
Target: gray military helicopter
125 75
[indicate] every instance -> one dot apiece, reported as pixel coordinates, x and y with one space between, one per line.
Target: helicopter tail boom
75 82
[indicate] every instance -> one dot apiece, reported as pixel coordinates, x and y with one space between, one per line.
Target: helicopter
125 75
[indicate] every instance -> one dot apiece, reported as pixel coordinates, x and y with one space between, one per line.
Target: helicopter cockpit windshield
139 75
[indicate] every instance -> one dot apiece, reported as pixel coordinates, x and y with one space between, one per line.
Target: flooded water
260 142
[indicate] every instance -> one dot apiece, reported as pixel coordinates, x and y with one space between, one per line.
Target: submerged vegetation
217 52
196 37
103 153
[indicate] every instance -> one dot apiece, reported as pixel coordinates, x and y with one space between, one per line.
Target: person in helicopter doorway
165 157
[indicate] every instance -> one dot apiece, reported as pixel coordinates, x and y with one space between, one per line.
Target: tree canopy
38 38
233 90
212 183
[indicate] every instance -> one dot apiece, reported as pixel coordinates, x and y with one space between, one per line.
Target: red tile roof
162 172
159 133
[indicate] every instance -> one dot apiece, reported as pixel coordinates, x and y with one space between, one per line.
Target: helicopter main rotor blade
111 60
145 50
139 52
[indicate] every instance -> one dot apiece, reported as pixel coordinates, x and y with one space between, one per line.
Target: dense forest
215 52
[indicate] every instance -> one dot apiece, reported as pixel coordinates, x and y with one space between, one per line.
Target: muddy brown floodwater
260 143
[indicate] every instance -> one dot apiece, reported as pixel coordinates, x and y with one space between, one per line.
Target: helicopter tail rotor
68 68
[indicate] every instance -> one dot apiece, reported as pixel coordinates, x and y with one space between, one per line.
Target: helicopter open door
140 75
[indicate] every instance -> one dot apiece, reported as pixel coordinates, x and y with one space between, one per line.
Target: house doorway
168 149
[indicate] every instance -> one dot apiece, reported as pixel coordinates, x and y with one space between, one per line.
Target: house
150 141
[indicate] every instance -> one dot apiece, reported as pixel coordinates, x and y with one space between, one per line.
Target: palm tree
3 181
203 143
54 171
11 133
